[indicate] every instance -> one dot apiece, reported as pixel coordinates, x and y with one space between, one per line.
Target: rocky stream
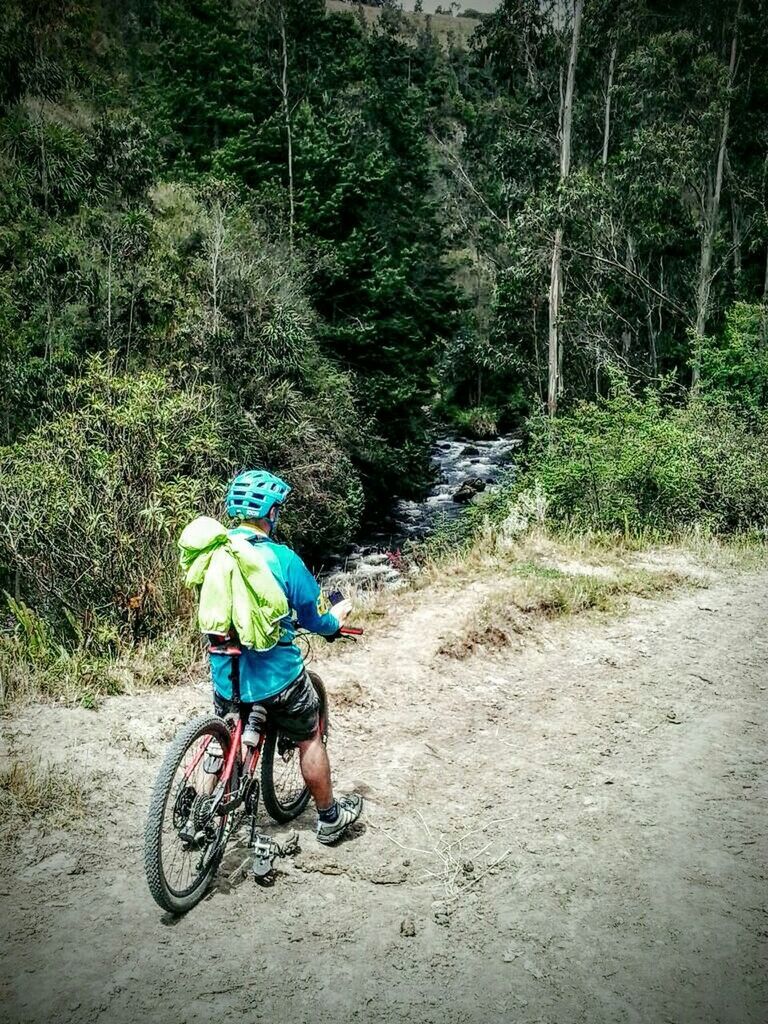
462 469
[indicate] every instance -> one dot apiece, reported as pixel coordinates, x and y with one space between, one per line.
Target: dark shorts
294 711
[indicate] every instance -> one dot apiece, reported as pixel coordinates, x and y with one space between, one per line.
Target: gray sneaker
350 809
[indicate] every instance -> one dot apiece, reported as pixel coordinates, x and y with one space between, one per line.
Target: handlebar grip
350 631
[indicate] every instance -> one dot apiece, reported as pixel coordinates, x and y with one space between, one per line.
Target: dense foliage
627 464
240 232
94 499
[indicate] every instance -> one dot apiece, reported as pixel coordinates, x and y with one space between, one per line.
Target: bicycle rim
184 840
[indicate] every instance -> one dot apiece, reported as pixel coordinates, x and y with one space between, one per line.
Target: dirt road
572 831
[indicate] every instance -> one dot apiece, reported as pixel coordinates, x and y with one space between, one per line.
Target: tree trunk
765 302
48 356
215 252
43 157
652 351
736 228
710 218
608 92
288 130
565 149
130 320
109 286
626 344
555 287
555 383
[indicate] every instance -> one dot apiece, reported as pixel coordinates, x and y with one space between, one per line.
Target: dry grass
738 551
49 796
542 575
534 590
539 574
492 552
83 677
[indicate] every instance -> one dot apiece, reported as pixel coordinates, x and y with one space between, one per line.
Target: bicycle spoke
183 861
289 784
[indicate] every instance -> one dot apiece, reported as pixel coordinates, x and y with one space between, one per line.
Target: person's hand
342 611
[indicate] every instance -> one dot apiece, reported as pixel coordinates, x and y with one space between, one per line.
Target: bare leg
316 769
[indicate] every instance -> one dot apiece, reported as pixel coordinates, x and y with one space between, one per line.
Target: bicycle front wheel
183 841
282 786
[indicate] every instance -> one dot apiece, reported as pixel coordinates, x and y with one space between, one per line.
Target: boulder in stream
468 489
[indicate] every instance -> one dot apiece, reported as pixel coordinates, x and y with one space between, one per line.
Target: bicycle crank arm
230 805
240 798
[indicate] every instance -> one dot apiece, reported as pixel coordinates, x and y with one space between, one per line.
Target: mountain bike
207 787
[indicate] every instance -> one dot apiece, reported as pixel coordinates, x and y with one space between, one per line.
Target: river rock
468 489
377 558
464 494
469 449
376 573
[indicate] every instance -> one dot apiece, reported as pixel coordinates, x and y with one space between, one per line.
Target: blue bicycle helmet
252 494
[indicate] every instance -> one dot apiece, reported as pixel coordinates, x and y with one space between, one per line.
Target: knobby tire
179 902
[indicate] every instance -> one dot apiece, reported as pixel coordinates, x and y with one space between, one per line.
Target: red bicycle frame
251 759
248 764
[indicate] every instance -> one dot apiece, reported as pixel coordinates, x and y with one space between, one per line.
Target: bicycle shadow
236 868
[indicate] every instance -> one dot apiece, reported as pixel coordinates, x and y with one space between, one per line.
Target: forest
263 232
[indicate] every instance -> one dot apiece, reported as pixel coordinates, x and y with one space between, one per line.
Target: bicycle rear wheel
283 789
183 841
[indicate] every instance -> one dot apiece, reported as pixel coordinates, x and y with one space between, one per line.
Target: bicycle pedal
264 853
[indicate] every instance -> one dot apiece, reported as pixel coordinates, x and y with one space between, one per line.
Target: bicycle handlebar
345 633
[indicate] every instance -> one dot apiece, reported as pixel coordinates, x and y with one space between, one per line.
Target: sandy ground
572 830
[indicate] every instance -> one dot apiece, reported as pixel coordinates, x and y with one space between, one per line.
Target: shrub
95 498
479 421
734 367
631 463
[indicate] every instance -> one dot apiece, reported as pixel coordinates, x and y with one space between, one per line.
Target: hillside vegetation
281 233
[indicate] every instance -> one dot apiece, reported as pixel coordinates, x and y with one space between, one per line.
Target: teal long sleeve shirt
265 673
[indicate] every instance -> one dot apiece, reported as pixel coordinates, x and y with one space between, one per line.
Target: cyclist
275 680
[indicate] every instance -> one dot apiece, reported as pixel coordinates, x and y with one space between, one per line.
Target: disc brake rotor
183 806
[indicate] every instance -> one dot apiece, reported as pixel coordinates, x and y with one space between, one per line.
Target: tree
711 209
555 381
